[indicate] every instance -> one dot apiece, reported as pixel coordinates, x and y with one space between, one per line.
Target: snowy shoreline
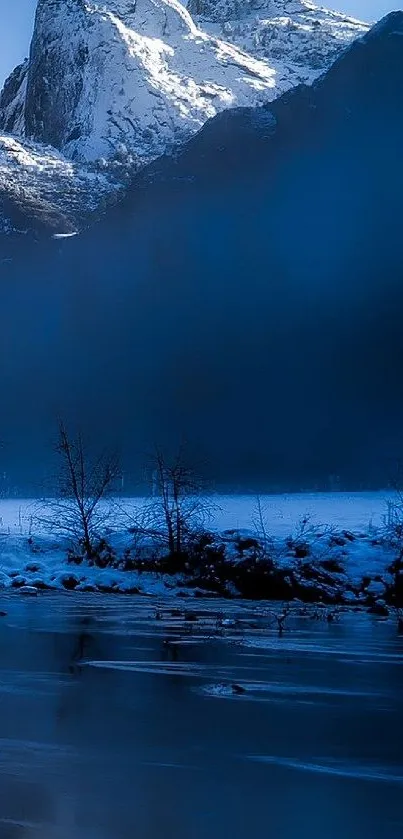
334 548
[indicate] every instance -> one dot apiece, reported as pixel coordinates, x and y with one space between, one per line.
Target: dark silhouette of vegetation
79 509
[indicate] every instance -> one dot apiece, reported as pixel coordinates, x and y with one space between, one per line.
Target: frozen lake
120 720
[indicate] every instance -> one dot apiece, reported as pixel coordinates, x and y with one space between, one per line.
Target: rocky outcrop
13 100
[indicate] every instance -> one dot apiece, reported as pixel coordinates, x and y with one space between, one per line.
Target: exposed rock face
57 62
13 100
136 78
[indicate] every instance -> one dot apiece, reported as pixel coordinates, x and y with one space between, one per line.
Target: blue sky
17 19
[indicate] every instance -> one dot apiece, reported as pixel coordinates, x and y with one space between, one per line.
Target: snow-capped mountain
134 79
248 288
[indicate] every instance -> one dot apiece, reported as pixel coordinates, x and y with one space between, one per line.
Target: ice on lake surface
125 718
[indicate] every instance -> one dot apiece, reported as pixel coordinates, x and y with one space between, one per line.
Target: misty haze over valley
241 292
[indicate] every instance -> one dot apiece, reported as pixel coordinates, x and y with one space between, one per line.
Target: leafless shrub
179 509
173 520
281 617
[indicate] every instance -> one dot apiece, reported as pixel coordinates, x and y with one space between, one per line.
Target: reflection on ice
364 773
115 724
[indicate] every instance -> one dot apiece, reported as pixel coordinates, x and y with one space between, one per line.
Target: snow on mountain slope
298 39
134 79
38 183
118 83
140 76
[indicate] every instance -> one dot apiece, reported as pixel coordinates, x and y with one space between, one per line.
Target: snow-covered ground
339 534
344 510
356 511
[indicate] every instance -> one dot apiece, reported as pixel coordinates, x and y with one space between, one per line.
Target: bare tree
79 509
266 542
179 506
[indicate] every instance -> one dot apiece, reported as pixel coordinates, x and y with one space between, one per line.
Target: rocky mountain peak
136 77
